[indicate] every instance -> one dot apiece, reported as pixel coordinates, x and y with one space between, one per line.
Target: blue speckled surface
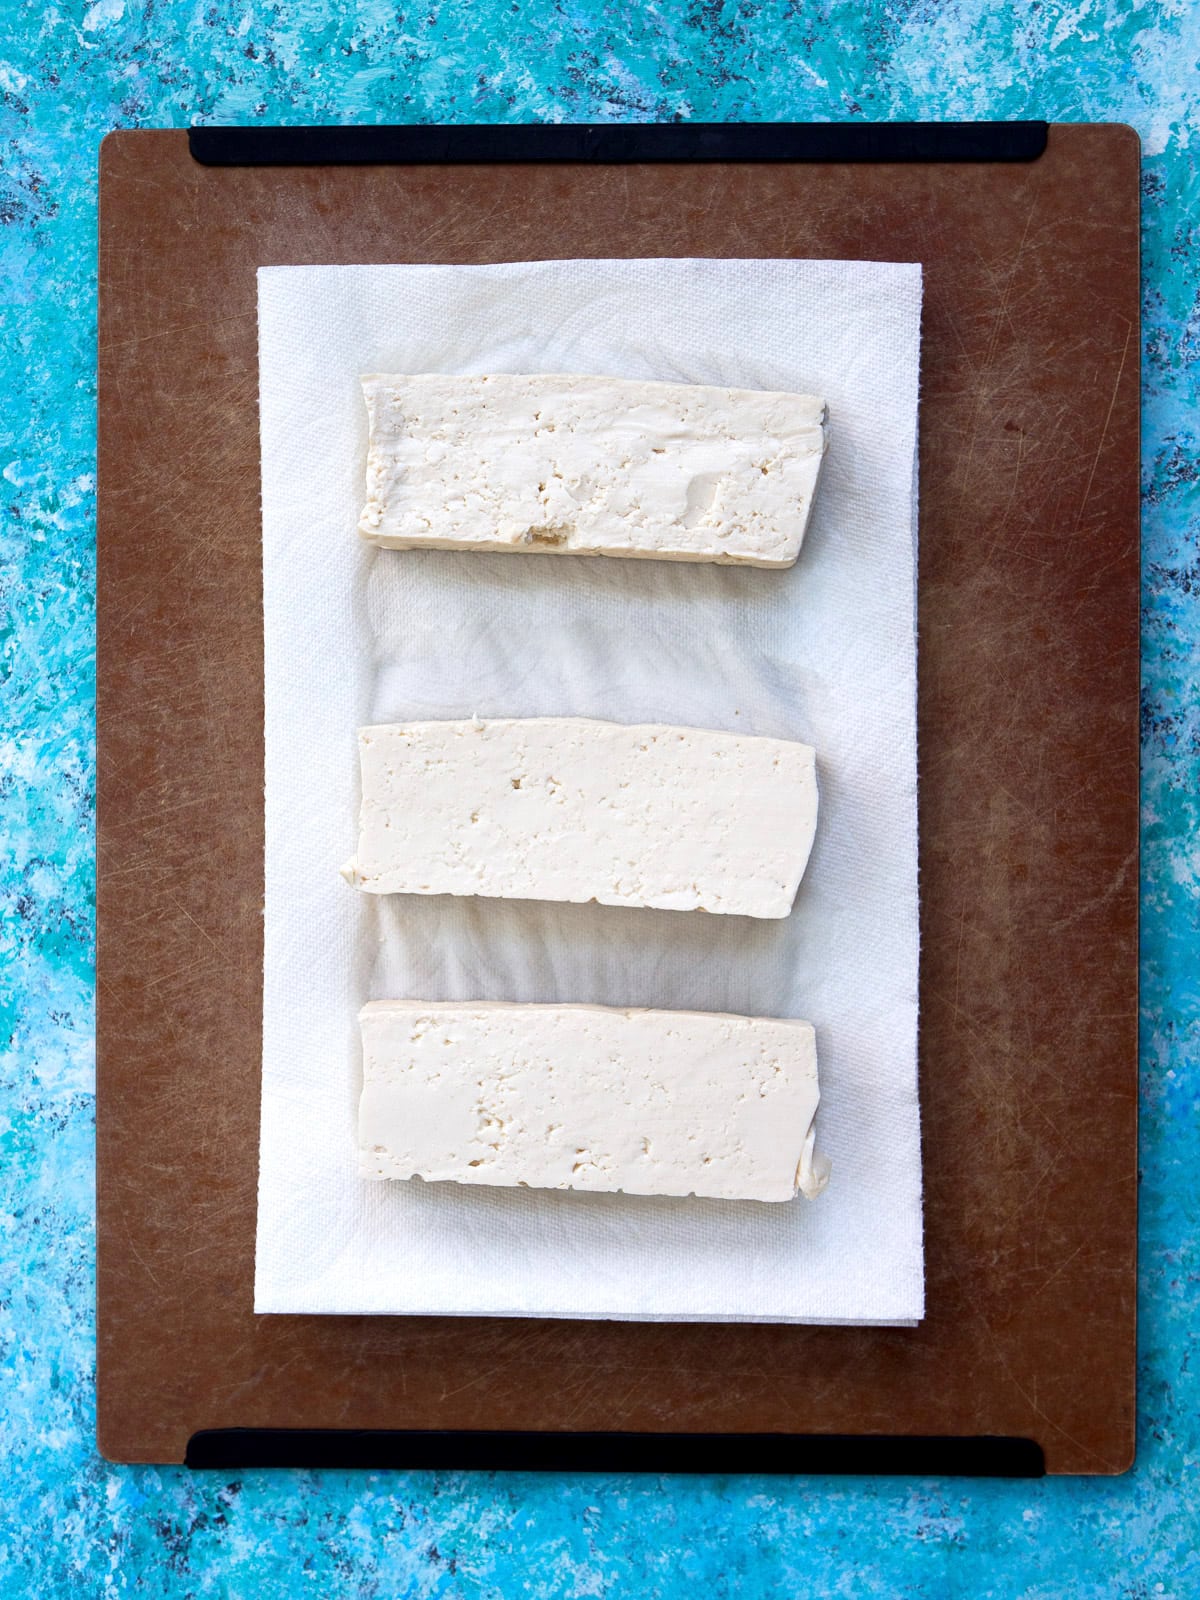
69 1522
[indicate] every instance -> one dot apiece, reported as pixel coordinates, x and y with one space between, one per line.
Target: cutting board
1028 727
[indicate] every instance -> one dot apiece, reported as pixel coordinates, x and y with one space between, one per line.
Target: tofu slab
590 1097
567 808
565 465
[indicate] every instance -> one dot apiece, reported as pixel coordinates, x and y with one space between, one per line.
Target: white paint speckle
102 13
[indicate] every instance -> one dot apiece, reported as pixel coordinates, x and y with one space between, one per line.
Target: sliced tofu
555 464
567 808
590 1097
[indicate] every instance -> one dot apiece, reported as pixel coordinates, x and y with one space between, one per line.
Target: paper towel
824 653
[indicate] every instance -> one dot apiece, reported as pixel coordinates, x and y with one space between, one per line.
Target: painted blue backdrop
69 1522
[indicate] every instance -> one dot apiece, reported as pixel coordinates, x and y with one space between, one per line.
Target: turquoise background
71 1523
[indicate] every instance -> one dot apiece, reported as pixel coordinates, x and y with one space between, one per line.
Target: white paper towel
824 653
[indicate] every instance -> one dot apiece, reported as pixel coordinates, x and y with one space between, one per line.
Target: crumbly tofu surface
590 1097
568 808
569 465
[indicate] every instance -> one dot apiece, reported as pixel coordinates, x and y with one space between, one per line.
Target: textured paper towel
824 653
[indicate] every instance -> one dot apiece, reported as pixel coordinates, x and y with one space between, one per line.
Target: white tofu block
563 465
566 808
589 1097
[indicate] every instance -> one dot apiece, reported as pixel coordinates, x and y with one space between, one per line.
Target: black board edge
509 1451
473 144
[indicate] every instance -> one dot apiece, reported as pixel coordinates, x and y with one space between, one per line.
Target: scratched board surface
73 72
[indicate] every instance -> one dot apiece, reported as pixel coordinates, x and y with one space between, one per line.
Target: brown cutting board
1028 772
